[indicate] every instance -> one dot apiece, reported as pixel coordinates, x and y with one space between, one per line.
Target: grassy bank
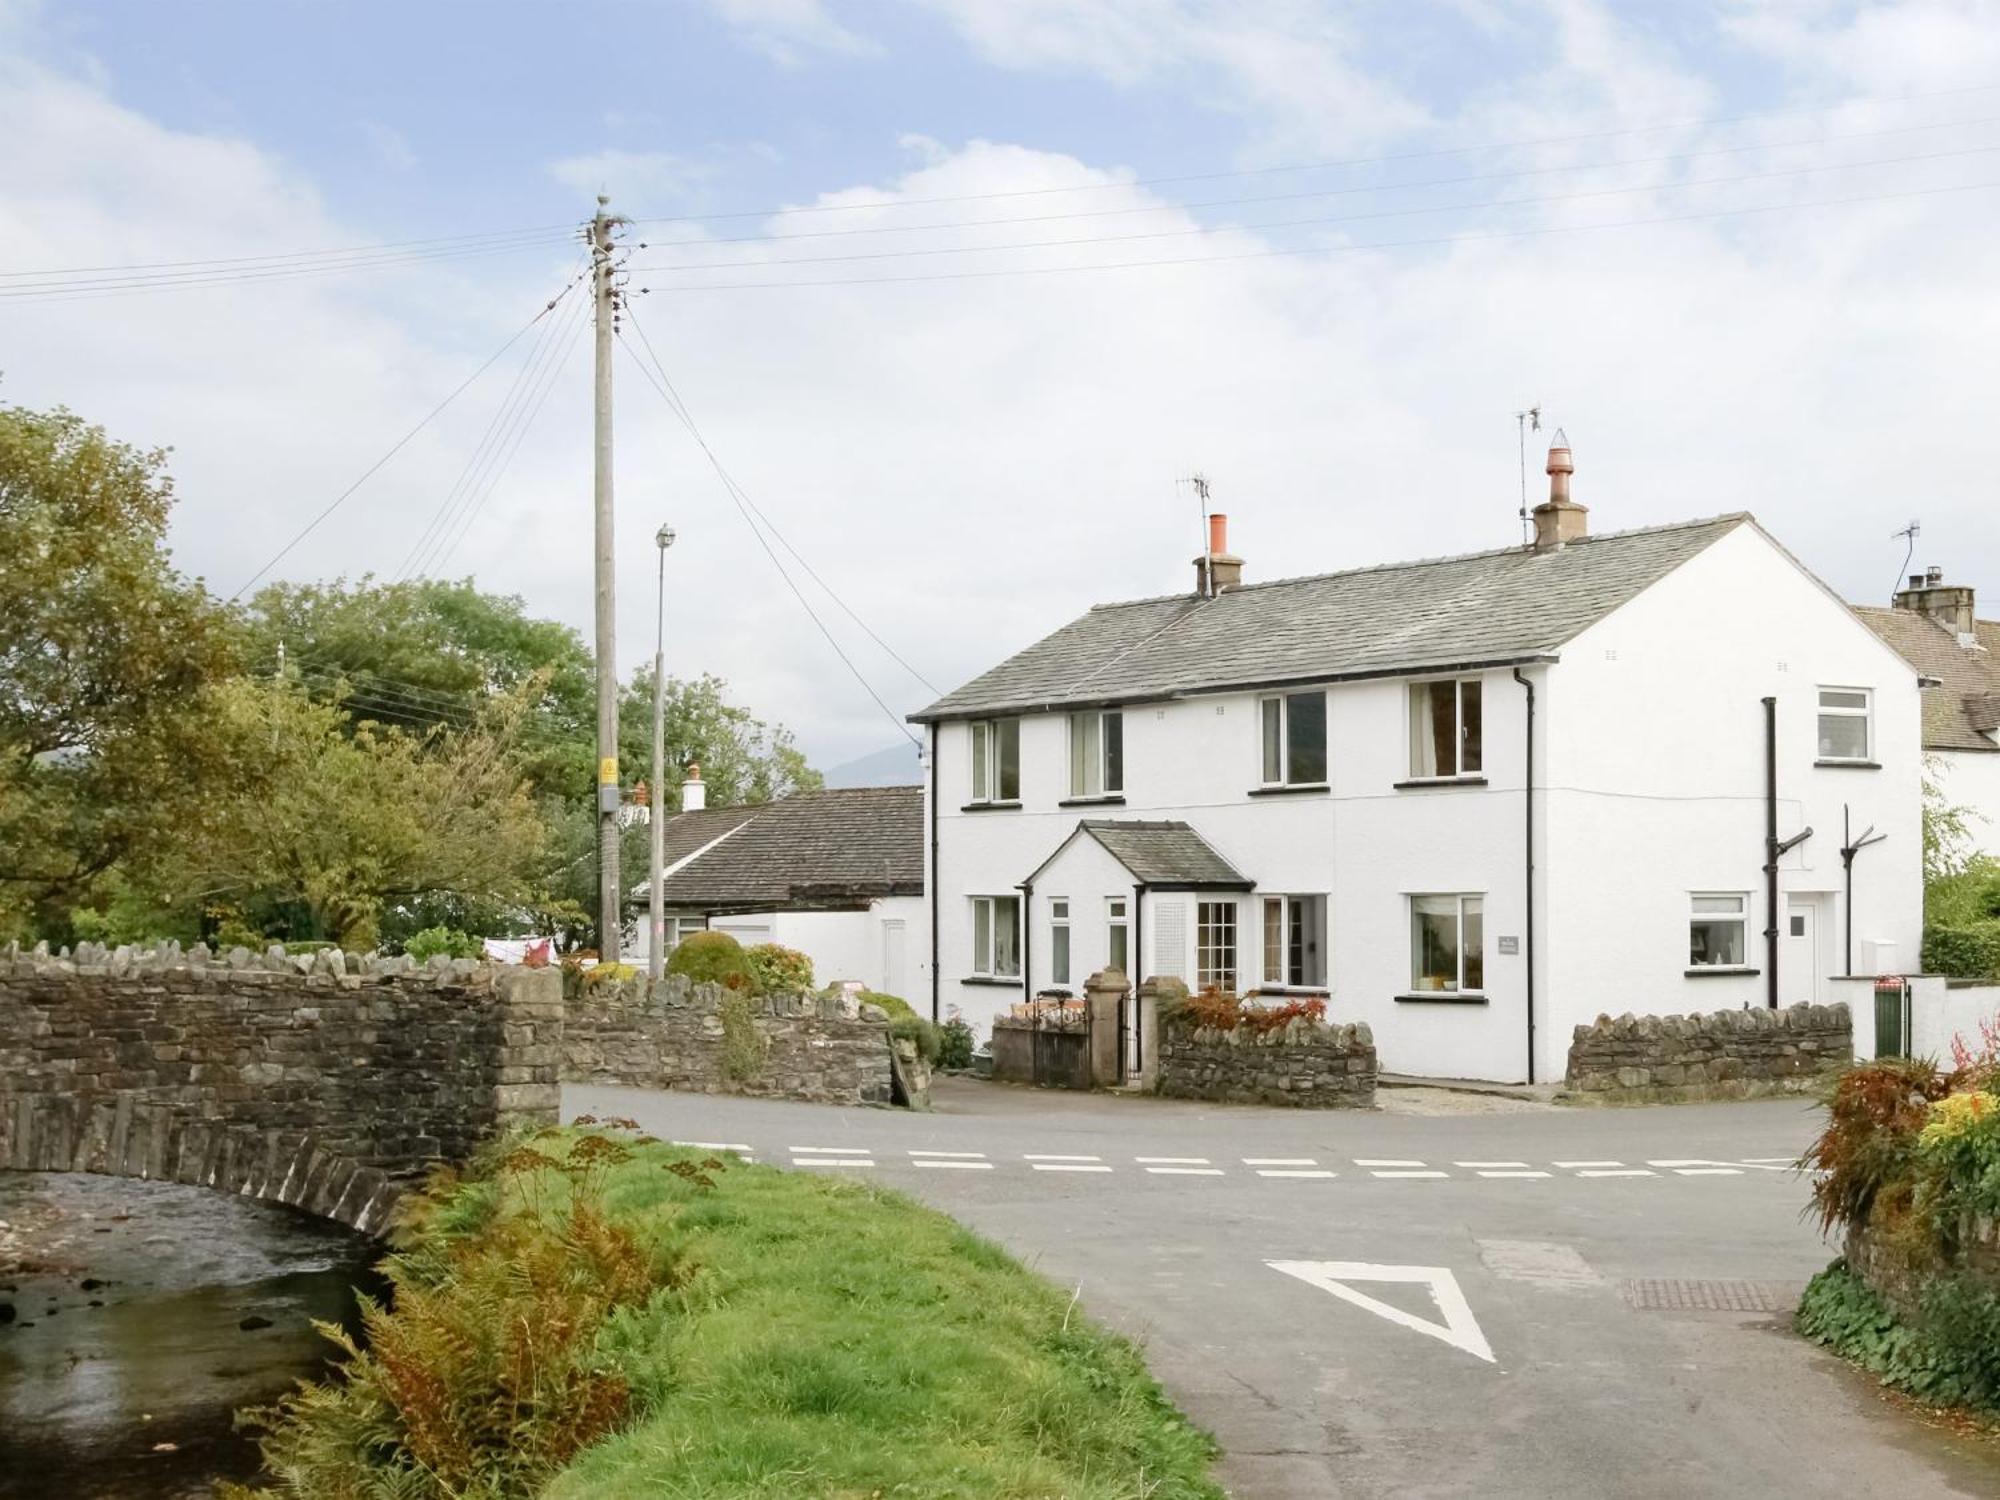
729 1330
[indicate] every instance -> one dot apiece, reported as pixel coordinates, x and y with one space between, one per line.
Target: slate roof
813 849
1483 608
1968 700
1160 853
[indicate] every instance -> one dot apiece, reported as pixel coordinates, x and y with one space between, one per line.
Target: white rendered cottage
1474 800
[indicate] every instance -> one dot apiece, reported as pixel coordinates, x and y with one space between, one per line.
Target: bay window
1215 946
996 937
996 760
1294 739
1447 943
1096 753
1295 941
1717 926
1844 727
1445 728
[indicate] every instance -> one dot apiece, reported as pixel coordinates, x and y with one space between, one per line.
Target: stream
137 1317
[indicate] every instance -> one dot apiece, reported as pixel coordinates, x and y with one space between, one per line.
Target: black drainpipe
1528 798
935 984
1771 853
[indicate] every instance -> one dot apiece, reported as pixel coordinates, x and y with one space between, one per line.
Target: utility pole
656 812
609 904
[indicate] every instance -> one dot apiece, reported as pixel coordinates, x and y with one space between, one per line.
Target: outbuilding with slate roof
1474 801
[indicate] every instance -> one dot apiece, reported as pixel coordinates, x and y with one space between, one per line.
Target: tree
105 655
331 821
742 758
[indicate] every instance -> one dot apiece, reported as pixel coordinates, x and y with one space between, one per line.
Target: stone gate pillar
1102 993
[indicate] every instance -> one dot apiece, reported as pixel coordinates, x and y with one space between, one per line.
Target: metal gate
1061 1042
1892 1017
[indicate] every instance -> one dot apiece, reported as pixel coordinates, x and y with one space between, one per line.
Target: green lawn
840 1340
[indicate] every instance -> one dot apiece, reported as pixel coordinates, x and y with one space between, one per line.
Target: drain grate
1673 1294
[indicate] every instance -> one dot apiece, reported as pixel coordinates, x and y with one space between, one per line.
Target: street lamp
656 822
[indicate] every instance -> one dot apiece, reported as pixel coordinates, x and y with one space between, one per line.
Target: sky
961 292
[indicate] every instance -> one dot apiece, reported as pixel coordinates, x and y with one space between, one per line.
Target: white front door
1801 975
892 958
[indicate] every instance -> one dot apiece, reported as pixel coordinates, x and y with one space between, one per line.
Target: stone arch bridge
315 1082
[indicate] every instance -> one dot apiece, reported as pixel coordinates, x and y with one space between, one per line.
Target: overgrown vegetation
955 1044
712 958
779 970
710 1328
744 1046
906 1025
1213 1010
449 941
1911 1156
1961 892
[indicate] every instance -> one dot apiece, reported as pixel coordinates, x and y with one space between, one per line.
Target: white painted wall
1941 1010
849 944
1970 779
1656 788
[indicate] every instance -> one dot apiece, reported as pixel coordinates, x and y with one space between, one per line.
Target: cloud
971 462
794 32
662 176
1878 46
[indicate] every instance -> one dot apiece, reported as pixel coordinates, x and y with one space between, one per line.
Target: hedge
1970 950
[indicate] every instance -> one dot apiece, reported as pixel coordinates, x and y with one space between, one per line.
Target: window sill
1723 971
1286 991
1848 765
1112 799
1443 997
1014 806
1303 789
999 981
1419 782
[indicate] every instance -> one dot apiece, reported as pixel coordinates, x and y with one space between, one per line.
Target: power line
790 583
1344 249
395 448
743 498
1349 189
783 211
1386 213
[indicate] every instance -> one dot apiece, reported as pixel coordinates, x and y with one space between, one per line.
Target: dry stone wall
316 1081
675 1034
1302 1063
1729 1054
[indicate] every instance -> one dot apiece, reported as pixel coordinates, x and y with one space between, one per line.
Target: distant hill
895 766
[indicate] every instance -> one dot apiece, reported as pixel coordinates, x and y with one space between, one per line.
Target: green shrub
1949 1355
916 1029
954 1044
895 1005
744 1047
780 970
1958 1161
1964 896
425 945
1969 950
1870 1140
712 958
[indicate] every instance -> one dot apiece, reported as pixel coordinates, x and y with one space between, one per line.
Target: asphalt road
1532 1302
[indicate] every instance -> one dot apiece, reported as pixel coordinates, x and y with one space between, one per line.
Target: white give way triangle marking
1458 1328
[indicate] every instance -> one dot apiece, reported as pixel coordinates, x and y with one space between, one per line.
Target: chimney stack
1217 569
694 795
1559 520
1950 604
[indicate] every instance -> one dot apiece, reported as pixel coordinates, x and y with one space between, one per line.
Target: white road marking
1295 1172
1185 1171
1708 1171
1030 1156
956 1155
1514 1174
1765 1161
1432 1173
1280 1161
1385 1161
1567 1164
1618 1172
831 1150
1697 1166
1489 1164
1066 1166
715 1145
831 1161
1172 1161
957 1166
1459 1328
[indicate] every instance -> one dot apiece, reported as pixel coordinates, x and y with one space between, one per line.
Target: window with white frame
1844 724
1445 728
1059 940
996 937
1294 739
1096 753
1447 943
1118 934
1718 928
1295 941
996 760
1215 946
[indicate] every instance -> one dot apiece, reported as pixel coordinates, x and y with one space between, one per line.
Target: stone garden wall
1730 1054
1313 1066
318 1081
675 1034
